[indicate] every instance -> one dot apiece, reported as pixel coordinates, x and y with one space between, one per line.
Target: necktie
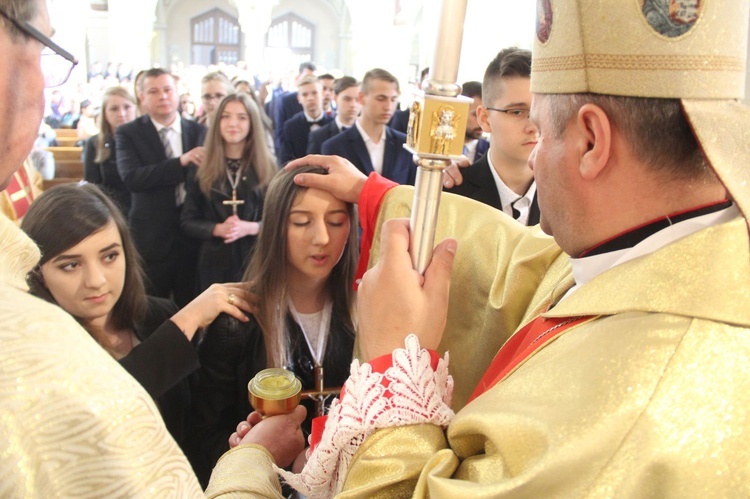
515 212
164 135
179 190
314 125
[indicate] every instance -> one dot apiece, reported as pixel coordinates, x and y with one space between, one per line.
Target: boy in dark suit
299 126
371 145
346 89
502 177
287 105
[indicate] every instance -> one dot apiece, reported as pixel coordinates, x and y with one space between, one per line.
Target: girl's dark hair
268 270
66 215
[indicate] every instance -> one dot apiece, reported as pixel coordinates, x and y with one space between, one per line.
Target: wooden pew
66 137
66 153
68 165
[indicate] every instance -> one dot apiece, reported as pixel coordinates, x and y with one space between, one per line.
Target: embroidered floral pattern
416 394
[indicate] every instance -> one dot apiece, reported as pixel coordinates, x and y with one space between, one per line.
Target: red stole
521 345
20 192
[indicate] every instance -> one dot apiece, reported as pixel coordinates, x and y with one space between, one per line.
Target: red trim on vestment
370 200
520 346
316 432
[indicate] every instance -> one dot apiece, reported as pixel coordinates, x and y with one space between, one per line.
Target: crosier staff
437 124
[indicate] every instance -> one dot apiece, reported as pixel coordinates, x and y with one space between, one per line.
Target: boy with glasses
502 178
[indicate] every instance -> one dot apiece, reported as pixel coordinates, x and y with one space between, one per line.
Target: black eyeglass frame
29 30
511 110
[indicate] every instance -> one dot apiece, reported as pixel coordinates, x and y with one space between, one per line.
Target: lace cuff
418 395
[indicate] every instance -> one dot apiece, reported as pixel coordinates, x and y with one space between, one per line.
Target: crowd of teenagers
581 329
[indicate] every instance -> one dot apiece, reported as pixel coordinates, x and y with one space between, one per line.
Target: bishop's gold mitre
692 50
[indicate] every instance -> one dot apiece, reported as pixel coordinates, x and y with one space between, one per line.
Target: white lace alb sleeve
418 395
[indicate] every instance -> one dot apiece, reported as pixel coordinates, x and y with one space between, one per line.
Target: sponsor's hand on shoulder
194 155
230 298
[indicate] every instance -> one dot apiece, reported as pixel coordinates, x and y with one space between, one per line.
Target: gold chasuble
73 423
648 399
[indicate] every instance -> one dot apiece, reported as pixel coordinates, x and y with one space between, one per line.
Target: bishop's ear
595 129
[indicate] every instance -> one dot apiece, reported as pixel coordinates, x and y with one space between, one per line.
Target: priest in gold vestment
609 360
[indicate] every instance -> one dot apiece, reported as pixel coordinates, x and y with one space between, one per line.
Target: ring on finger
230 298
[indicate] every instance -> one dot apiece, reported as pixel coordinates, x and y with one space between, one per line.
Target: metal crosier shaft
424 211
437 126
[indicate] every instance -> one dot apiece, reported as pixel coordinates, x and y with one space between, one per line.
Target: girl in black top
224 201
90 268
302 270
99 161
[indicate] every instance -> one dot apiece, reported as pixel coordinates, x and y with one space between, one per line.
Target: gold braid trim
639 62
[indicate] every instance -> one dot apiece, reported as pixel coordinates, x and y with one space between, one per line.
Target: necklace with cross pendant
233 182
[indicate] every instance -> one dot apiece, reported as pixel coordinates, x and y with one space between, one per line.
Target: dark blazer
218 261
105 174
397 162
400 120
296 131
152 178
483 146
316 138
231 353
162 363
283 110
479 185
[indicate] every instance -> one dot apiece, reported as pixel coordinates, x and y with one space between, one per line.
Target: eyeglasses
56 70
208 97
516 113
